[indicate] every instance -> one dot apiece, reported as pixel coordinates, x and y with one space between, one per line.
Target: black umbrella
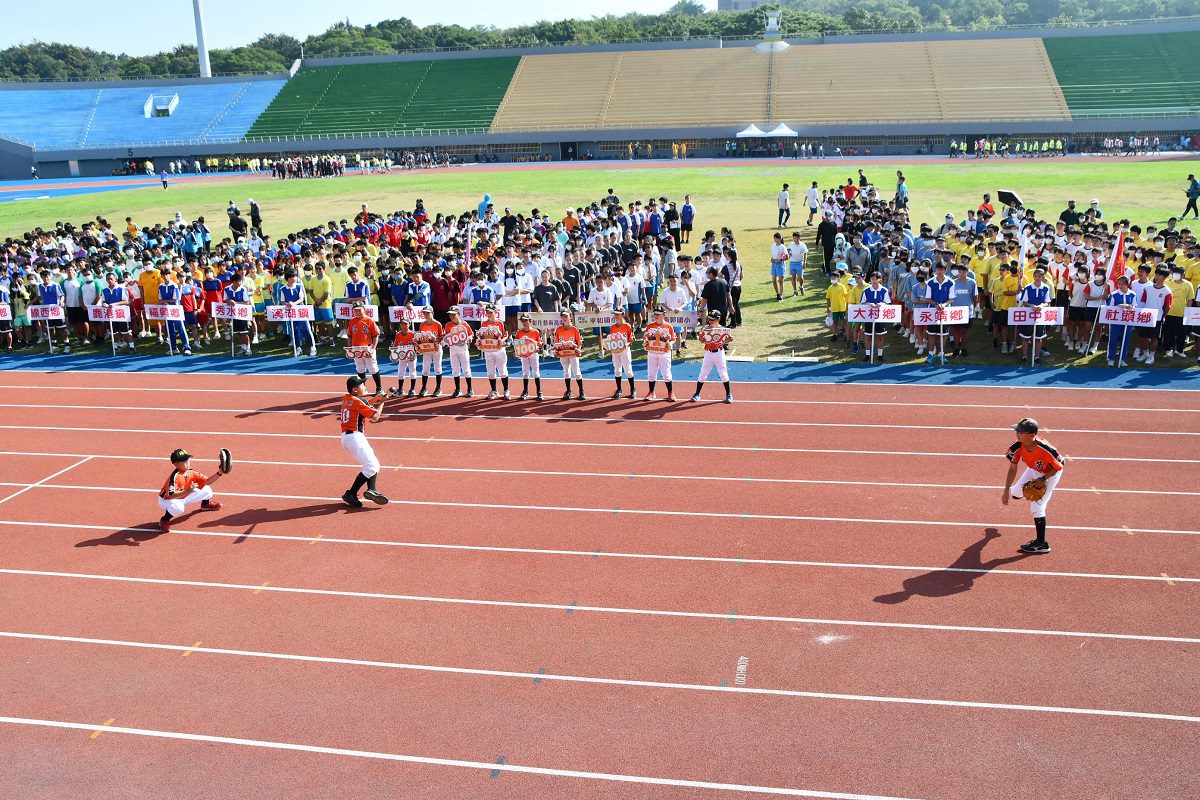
1009 198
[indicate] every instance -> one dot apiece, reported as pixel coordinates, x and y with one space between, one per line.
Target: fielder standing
568 344
491 339
715 339
1043 468
429 347
457 336
356 411
659 339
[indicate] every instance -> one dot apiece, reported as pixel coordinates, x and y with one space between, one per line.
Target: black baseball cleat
456 394
1035 547
566 395
524 396
728 398
375 497
350 499
616 395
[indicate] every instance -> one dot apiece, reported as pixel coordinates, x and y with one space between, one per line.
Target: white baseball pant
658 364
496 363
571 367
367 366
431 363
1038 509
714 359
531 367
622 364
406 369
175 506
355 443
460 362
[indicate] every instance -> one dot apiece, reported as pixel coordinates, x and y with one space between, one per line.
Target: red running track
653 602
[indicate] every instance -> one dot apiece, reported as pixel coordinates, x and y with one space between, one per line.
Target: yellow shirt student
835 297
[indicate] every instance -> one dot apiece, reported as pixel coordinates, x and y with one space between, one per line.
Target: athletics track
813 592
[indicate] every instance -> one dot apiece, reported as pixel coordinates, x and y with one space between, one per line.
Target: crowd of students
996 263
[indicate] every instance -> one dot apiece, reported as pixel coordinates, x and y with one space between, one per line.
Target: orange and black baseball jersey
567 341
1043 457
433 326
714 337
659 337
362 332
355 411
183 482
458 334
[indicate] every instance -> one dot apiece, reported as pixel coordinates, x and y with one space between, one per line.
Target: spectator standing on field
785 207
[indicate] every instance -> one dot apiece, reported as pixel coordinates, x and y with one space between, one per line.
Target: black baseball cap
179 454
1026 425
353 382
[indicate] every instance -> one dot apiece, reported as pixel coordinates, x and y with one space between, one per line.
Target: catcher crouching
1043 469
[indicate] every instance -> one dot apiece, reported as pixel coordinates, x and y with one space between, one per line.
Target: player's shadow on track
948 581
130 537
318 407
253 517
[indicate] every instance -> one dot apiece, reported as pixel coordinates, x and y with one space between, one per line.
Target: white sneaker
1149 359
1111 363
1124 364
228 336
255 339
912 338
1138 353
66 348
1169 354
312 351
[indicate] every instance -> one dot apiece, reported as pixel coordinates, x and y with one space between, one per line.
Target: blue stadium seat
69 118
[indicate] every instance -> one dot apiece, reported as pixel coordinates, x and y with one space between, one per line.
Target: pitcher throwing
356 411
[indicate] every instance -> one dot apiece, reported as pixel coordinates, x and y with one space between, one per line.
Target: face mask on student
954 273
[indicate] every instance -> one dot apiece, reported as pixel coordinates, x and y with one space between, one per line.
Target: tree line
686 19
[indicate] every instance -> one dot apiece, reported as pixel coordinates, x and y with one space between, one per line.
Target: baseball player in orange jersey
404 353
1043 467
715 339
526 343
363 335
617 342
568 344
491 339
184 487
659 339
429 348
356 411
457 335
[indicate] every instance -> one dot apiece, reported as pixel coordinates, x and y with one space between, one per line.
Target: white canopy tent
751 132
781 130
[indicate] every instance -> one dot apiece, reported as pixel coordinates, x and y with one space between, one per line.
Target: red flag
1116 263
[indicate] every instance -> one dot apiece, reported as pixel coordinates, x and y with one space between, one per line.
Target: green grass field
741 197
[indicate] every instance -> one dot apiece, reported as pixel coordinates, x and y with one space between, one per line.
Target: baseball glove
1033 490
225 460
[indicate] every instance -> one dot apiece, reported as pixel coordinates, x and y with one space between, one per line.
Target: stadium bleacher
68 118
1119 75
391 97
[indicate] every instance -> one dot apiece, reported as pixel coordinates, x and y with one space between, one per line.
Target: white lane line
634 511
489 766
607 420
27 487
588 679
778 562
909 454
332 394
574 607
957 387
622 475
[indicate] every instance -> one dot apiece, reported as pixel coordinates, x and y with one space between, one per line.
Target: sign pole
1121 351
170 339
873 340
1092 333
292 336
112 336
1033 339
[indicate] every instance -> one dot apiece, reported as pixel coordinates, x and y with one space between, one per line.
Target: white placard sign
231 311
868 313
164 312
5 312
1138 317
952 315
289 313
589 319
397 313
1191 316
39 313
108 313
346 311
1021 316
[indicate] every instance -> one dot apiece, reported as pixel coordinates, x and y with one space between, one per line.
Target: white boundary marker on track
1021 407
606 420
322 538
550 676
621 475
633 511
575 608
445 762
891 385
82 461
574 444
